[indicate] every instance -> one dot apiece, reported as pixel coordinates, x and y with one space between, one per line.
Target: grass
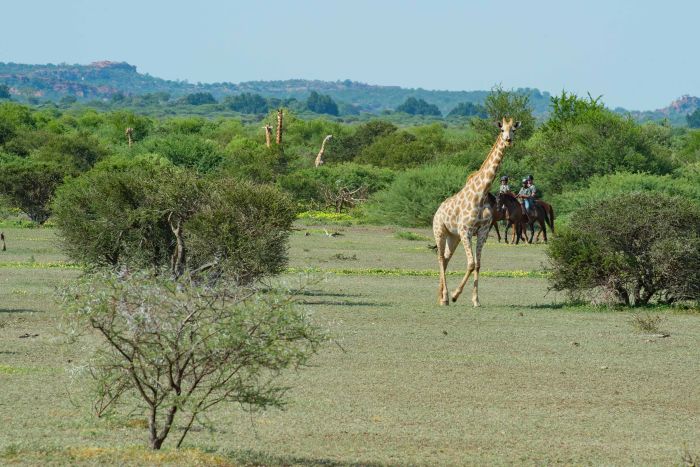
526 379
647 323
412 236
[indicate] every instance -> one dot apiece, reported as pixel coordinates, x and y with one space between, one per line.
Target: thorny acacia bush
151 216
634 247
172 350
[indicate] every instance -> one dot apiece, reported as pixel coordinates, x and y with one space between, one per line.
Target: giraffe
279 127
319 158
466 214
268 135
129 135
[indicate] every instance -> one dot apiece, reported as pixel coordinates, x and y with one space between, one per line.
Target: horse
549 210
541 218
496 212
512 214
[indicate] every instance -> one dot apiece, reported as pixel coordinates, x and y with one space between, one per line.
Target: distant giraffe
468 213
319 158
279 127
268 135
129 135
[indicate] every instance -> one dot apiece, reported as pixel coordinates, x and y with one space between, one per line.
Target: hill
105 79
675 112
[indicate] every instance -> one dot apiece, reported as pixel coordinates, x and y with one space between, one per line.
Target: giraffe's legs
482 236
440 241
467 241
446 244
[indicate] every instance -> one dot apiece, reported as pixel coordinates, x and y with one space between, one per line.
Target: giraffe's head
508 128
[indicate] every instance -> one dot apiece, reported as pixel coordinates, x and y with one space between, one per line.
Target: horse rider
531 184
504 188
526 197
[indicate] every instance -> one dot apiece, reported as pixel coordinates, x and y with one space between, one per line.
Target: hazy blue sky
638 54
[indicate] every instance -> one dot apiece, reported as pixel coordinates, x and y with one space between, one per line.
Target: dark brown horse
539 215
496 212
514 216
549 210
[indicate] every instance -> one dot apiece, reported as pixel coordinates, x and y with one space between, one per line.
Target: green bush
568 151
399 150
608 186
186 150
631 248
343 148
243 227
309 187
141 214
30 185
250 160
413 197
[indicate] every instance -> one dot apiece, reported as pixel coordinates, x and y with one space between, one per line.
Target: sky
640 54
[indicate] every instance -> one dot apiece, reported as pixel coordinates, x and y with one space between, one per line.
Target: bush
634 247
400 150
243 227
608 186
30 185
247 159
169 217
586 139
413 197
186 150
196 346
310 187
347 147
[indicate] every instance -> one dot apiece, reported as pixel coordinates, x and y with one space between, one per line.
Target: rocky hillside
674 113
102 80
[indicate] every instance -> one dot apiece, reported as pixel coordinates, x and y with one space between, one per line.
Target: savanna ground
525 379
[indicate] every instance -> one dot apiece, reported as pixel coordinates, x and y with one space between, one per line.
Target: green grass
526 379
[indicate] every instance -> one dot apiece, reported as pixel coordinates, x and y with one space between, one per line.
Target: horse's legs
467 241
495 224
482 236
532 231
543 229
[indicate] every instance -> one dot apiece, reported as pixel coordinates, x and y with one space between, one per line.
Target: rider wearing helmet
525 195
504 188
531 184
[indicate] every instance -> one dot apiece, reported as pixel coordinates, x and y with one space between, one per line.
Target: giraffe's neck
481 181
323 145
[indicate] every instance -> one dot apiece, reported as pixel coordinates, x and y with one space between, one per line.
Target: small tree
174 350
501 104
30 185
635 247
